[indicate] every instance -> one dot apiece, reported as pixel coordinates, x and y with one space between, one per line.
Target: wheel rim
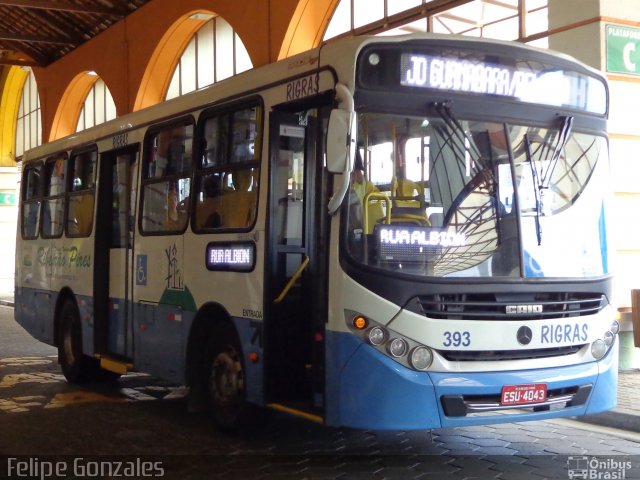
227 380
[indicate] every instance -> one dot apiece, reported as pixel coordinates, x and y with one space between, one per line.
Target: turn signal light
360 322
253 357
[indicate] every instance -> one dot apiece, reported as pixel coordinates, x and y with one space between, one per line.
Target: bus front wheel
76 367
226 380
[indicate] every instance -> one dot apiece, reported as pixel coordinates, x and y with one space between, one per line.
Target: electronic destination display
541 79
414 244
238 256
429 71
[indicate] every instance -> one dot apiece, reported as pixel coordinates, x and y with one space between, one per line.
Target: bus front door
294 322
113 279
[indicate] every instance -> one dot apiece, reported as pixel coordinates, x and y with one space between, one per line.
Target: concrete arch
163 61
12 81
127 58
307 26
65 119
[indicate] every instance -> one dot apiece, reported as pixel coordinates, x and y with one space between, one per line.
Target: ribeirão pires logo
597 468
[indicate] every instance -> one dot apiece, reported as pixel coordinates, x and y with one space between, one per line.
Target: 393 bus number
456 339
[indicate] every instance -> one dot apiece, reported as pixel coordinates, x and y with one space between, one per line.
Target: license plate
523 394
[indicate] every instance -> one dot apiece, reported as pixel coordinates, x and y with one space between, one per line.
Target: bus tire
225 379
107 375
76 366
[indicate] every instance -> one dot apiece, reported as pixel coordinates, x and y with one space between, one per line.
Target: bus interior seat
239 204
81 215
407 203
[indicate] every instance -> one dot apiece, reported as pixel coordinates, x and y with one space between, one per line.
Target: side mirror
340 142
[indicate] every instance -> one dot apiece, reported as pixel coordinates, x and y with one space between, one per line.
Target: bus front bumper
366 389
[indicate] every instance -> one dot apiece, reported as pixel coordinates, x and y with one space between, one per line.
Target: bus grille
501 355
493 306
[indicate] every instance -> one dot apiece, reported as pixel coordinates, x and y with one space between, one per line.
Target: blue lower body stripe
366 389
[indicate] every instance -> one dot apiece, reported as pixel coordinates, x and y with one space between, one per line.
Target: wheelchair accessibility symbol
141 270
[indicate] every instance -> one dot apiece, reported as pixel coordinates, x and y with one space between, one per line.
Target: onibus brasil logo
597 468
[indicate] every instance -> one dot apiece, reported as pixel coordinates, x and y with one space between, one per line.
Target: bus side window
171 153
82 194
243 136
227 200
209 208
54 188
227 180
215 138
31 199
167 183
240 203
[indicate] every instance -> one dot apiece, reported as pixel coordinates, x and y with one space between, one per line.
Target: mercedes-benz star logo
524 335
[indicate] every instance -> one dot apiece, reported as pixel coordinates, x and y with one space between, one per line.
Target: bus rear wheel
226 380
76 366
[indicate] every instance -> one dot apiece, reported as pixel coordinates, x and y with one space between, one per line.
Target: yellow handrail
293 279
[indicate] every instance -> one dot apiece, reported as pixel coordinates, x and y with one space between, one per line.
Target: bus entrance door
113 279
294 332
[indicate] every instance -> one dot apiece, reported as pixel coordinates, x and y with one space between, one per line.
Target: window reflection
440 196
167 184
228 176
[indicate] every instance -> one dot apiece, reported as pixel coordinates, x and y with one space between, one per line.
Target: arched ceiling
39 32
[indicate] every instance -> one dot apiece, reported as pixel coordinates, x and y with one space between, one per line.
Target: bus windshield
439 196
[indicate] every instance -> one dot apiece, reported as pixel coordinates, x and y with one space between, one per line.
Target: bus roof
333 54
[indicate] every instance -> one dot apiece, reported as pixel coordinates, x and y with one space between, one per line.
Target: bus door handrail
292 280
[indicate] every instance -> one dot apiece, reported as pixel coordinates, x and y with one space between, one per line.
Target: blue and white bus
382 233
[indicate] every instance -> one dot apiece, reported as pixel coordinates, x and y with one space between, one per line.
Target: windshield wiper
464 141
542 180
537 188
563 138
469 155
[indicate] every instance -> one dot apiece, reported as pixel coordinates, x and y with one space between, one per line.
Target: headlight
406 351
421 358
598 349
397 347
615 327
608 338
376 336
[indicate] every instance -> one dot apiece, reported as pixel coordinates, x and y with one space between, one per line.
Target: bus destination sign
442 73
235 257
466 72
